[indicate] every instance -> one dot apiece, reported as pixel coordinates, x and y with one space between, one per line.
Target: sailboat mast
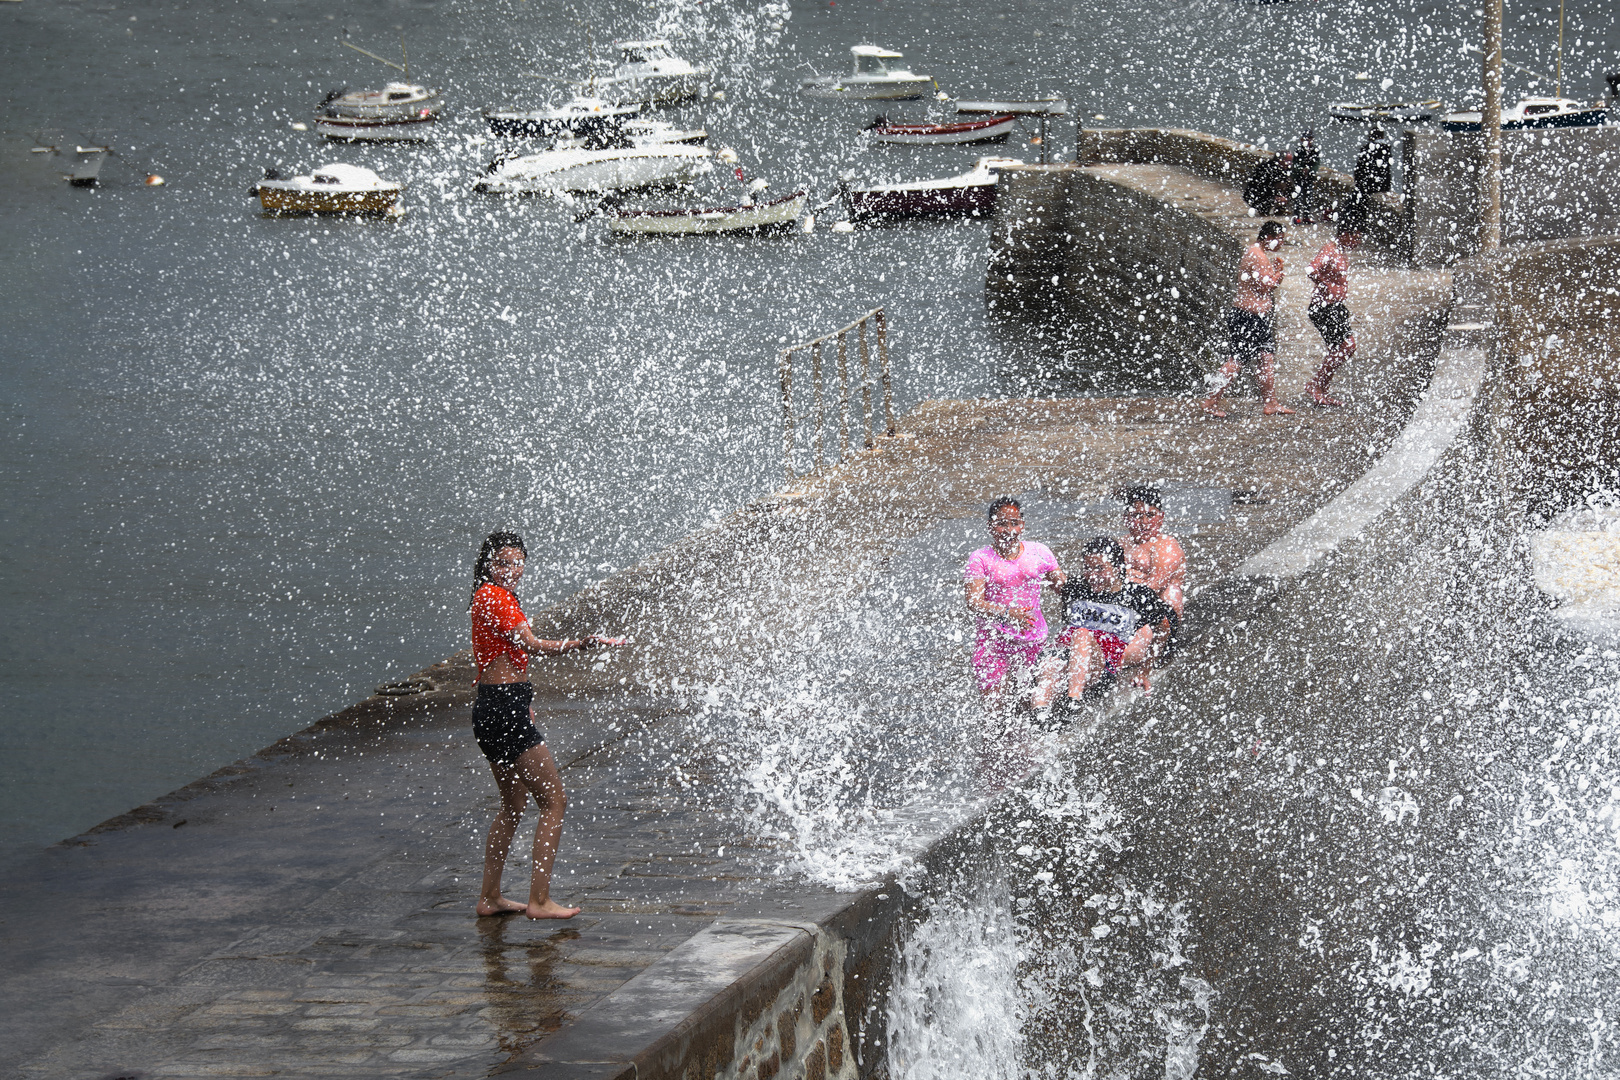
1560 78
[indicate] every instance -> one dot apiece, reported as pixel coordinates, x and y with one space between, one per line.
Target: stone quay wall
1556 183
1552 403
1128 266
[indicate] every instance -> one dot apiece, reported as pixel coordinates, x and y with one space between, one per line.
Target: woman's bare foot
1326 402
501 906
1213 410
550 910
1275 407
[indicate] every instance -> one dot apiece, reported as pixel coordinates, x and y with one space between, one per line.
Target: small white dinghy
331 189
621 168
747 216
1531 113
876 77
649 73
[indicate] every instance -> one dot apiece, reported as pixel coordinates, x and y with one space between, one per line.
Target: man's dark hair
1270 231
1142 493
486 551
1002 503
1107 545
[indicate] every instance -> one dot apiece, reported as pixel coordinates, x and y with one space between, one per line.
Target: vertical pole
843 396
1043 138
821 412
883 368
784 373
1559 90
866 387
1490 238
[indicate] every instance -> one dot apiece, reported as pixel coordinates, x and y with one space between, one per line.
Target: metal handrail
785 364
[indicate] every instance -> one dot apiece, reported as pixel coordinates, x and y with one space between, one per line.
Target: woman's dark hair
1270 231
486 551
1107 545
1001 504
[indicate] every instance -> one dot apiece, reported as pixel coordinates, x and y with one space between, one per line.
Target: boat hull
382 110
347 129
647 90
598 171
286 200
973 200
778 213
1584 118
984 131
850 89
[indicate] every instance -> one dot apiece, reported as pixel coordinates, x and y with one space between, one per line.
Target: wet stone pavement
308 912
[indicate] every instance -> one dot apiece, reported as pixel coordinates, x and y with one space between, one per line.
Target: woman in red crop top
503 723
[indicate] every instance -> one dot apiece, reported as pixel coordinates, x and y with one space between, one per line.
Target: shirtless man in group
1250 321
1327 308
1151 557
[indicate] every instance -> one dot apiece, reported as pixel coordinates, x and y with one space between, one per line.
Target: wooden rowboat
990 129
331 189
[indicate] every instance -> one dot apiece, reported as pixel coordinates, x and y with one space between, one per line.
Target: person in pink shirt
1327 309
1004 594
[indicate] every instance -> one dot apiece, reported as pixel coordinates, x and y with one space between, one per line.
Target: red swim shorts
1111 647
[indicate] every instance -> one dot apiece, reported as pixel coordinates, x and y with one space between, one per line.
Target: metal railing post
784 372
843 396
883 367
866 386
821 413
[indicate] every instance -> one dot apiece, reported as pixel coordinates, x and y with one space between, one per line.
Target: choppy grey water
245 461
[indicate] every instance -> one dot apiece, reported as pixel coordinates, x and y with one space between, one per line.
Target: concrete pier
308 912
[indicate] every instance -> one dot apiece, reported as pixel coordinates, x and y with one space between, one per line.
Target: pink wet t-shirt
1012 581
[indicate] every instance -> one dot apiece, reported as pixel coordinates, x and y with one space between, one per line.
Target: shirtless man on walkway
1152 558
1250 320
1327 310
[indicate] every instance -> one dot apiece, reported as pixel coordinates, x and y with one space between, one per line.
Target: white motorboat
962 132
748 215
876 77
396 100
580 115
1531 113
643 132
650 73
331 189
574 168
972 193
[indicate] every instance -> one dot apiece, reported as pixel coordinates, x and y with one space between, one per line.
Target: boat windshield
1539 110
871 65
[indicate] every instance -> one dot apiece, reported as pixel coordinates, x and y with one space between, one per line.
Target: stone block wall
800 1033
1552 399
1556 183
1126 270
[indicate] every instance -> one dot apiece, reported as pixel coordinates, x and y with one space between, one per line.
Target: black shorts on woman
502 723
1252 335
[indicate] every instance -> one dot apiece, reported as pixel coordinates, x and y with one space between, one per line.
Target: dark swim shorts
501 721
1333 320
1251 335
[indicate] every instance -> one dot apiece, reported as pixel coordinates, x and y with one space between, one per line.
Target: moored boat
1376 112
331 189
650 73
989 129
973 193
621 168
745 216
876 77
581 115
380 129
394 100
1532 113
